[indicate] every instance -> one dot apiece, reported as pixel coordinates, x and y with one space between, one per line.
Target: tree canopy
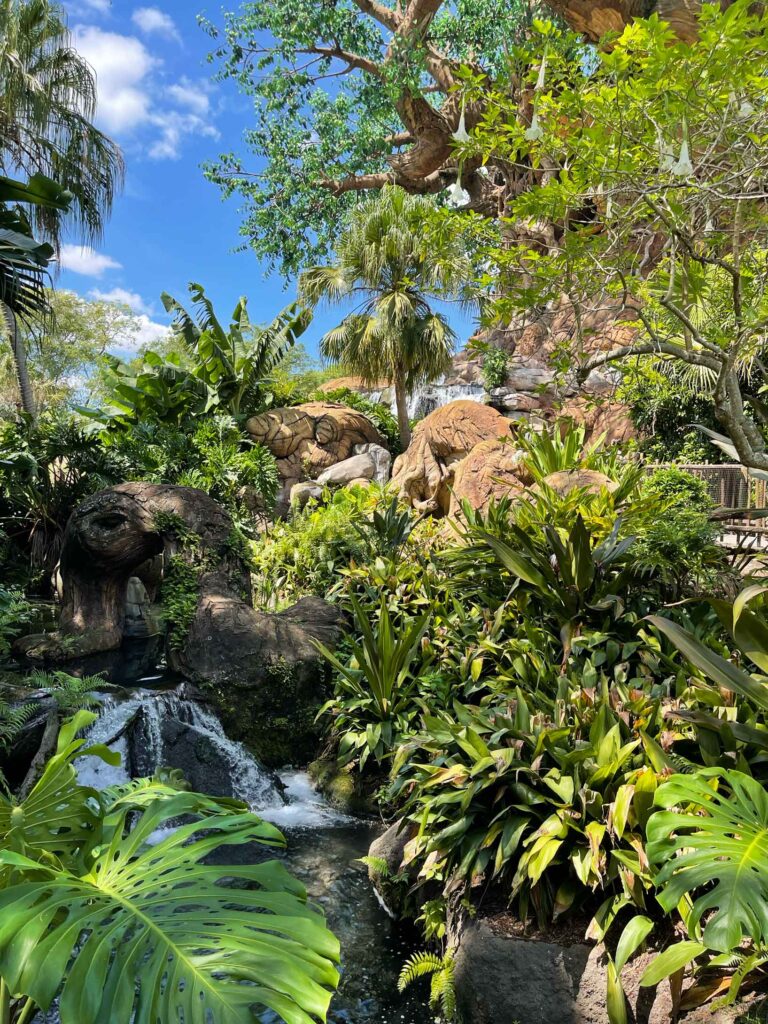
350 96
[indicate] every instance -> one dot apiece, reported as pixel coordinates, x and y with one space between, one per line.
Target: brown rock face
424 473
354 384
307 439
608 419
492 470
579 479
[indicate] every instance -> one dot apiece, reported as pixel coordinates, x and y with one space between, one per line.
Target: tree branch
384 16
354 60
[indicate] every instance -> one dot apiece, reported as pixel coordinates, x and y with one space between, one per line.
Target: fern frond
377 866
420 965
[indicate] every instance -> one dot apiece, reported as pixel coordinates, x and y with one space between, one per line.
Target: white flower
458 196
542 73
534 133
461 134
683 168
666 154
483 170
746 109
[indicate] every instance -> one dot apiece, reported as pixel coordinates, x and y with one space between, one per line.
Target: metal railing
732 487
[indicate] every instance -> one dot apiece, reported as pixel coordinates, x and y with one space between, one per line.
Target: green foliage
495 368
670 123
442 996
303 554
379 414
302 90
663 407
179 596
15 611
13 718
225 368
70 693
394 334
46 470
374 689
68 847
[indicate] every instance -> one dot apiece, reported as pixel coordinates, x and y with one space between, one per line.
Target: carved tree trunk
593 18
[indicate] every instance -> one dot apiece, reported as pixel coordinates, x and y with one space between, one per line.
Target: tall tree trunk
401 401
19 361
593 19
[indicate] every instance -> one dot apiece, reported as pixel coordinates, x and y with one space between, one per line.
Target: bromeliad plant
119 927
374 704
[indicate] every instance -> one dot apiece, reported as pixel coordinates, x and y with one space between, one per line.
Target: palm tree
393 333
47 106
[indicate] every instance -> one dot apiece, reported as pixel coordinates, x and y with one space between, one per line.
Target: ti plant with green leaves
373 703
98 914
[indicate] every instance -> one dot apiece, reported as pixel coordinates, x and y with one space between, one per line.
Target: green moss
343 787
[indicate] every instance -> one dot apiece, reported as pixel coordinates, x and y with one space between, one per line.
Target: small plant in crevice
179 595
70 693
13 718
442 995
495 368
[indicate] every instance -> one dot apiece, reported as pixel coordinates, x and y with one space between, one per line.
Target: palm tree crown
381 259
47 106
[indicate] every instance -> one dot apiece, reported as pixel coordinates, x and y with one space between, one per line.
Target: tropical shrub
225 368
373 702
46 470
302 555
15 611
495 367
79 873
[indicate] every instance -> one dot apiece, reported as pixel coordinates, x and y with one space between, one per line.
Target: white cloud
151 20
191 95
85 260
134 103
174 127
149 333
81 7
122 64
121 295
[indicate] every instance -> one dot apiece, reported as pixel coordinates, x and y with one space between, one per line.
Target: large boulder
358 467
606 419
492 470
424 473
502 976
308 439
262 671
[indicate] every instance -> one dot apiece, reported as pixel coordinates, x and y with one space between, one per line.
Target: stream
153 726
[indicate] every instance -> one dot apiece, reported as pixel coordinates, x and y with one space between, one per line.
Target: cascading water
427 397
156 728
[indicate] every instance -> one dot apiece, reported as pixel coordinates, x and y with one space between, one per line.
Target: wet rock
514 401
197 756
262 672
504 978
354 468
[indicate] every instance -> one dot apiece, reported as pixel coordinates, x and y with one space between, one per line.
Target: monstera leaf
153 933
59 817
714 849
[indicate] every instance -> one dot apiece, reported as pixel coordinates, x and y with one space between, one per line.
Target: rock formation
308 439
424 473
262 670
492 470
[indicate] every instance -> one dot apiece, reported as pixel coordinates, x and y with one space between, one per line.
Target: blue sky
170 226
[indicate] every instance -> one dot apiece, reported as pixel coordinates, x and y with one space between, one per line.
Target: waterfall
154 729
427 397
